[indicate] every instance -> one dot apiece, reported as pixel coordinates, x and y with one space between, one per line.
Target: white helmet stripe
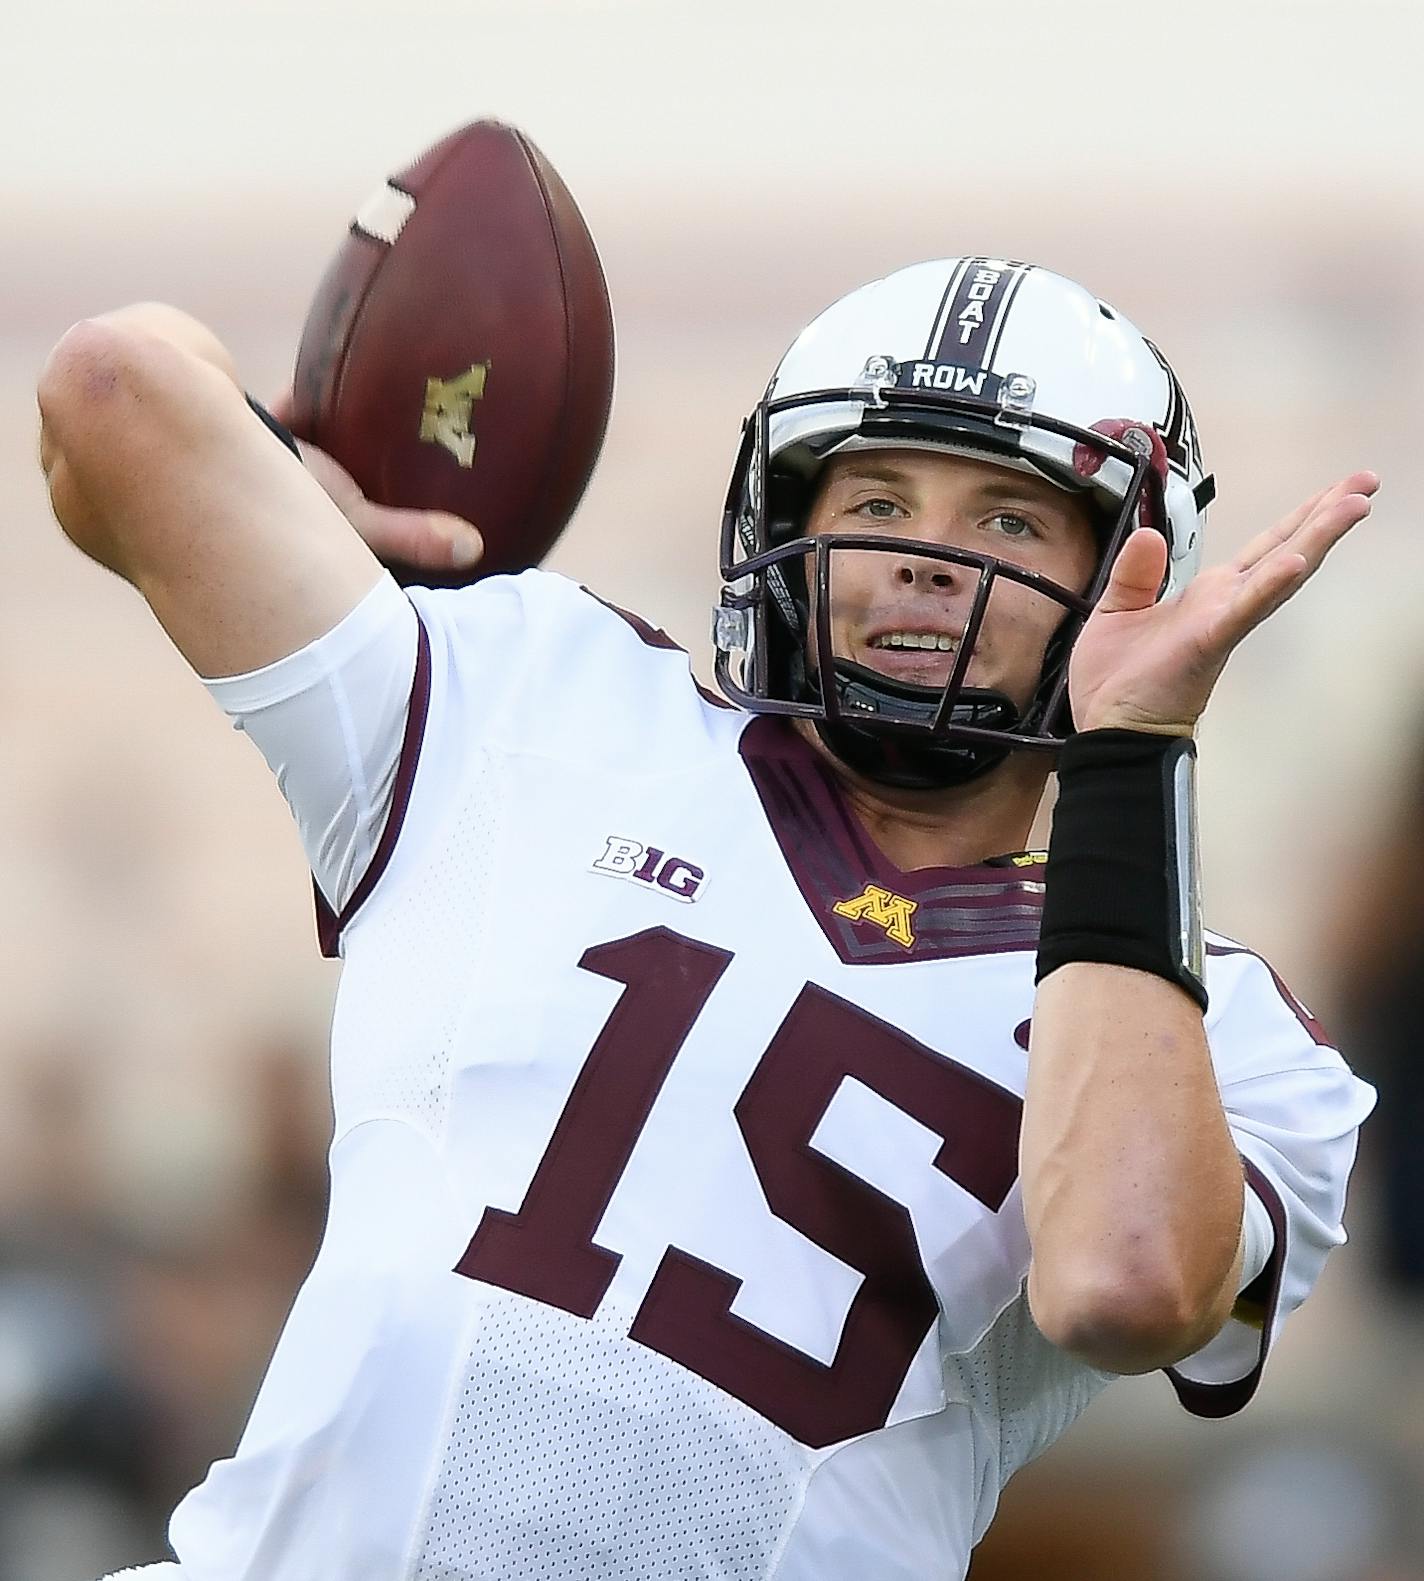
941 317
1002 317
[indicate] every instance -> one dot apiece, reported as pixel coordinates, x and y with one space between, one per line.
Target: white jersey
675 1226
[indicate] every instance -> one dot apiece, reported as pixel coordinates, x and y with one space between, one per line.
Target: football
458 354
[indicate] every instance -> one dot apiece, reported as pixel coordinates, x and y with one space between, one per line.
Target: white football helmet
998 360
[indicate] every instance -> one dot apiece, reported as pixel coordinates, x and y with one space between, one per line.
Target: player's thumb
432 540
1137 573
465 543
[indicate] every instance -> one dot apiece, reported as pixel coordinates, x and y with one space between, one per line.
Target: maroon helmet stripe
968 329
329 927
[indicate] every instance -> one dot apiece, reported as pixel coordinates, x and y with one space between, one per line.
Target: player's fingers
336 480
1262 544
1364 483
1315 538
283 406
465 542
1136 574
1287 568
432 540
1271 583
1318 537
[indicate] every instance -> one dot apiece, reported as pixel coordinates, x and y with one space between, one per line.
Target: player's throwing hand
429 540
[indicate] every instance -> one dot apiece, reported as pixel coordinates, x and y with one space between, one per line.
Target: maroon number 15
547 1251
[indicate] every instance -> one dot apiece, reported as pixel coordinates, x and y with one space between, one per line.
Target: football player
747 1154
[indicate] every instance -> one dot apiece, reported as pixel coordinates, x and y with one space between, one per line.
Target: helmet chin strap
904 760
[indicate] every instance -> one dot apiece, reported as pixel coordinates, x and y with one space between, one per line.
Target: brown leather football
459 353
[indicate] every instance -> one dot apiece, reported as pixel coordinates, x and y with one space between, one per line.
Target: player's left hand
426 540
1140 665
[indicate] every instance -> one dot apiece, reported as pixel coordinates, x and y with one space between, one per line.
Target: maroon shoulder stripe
1317 1033
329 926
1225 1399
656 637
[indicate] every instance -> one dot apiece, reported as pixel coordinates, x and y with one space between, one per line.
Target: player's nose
919 571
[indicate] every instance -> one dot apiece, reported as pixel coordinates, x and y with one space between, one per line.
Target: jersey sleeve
1294 1108
372 728
331 720
343 721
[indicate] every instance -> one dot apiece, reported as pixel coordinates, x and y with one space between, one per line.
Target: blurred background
1243 178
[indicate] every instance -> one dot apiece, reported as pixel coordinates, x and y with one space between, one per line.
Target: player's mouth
918 654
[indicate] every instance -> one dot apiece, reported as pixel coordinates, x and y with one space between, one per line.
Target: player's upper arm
159 470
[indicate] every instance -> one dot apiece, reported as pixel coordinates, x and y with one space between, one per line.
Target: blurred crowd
129 1357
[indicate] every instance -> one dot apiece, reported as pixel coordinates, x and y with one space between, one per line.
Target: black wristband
279 429
1121 885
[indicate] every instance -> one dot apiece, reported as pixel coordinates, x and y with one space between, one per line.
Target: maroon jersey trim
329 926
1317 1033
656 637
1216 1400
953 911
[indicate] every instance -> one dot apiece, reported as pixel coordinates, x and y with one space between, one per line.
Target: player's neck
957 826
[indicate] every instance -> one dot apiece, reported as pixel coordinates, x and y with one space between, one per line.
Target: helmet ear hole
788 499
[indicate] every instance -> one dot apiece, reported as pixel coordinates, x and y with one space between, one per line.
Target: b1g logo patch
645 864
885 909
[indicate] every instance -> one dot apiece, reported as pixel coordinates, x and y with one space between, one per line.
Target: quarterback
747 1153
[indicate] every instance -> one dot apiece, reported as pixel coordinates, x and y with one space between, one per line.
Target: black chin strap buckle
914 757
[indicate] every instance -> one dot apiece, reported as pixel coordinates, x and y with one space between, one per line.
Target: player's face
901 614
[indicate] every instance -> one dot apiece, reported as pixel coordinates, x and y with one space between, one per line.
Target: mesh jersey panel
1025 1389
573 1452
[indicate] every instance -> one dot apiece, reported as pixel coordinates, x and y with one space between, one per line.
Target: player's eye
877 508
1012 525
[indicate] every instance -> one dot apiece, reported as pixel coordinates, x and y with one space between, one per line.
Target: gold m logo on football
885 909
449 404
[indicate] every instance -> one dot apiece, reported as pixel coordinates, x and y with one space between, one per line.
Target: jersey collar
872 912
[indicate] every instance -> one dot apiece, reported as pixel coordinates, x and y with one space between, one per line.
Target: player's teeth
915 639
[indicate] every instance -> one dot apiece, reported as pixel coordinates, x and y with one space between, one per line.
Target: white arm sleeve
330 720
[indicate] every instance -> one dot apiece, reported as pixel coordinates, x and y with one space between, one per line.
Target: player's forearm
1132 1186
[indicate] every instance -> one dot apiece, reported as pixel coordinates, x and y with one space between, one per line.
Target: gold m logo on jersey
885 909
449 404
